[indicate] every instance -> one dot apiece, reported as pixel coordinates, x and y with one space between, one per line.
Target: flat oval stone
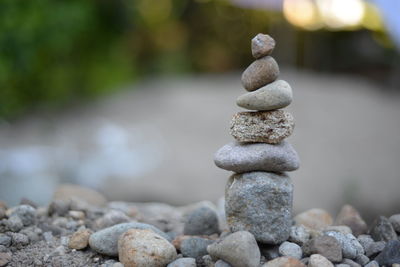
241 158
261 72
275 95
261 203
263 126
262 45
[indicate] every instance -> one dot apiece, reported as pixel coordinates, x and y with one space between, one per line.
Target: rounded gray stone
201 221
26 213
195 247
382 230
105 241
239 249
351 248
183 262
275 95
261 203
261 72
299 234
262 126
262 45
290 249
239 157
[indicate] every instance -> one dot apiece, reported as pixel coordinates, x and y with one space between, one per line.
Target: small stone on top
262 45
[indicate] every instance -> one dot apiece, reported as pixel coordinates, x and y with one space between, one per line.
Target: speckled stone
315 219
382 230
261 203
262 45
317 260
261 72
275 95
351 248
239 157
263 126
326 246
290 249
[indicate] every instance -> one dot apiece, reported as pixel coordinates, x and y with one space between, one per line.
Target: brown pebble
349 216
284 262
5 258
260 73
262 45
80 239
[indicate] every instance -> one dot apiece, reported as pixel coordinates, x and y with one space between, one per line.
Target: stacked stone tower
258 197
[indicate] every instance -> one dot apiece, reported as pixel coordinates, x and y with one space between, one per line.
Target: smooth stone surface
362 259
290 249
349 216
390 254
351 263
261 72
106 241
143 248
351 248
183 262
275 95
382 230
239 158
315 219
261 203
80 239
317 260
239 249
201 221
195 247
262 126
299 234
262 45
221 263
326 246
283 262
372 264
395 221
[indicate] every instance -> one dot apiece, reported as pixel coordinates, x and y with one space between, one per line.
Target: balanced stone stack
258 197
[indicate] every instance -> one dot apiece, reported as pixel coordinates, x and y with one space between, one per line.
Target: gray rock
26 213
5 240
137 247
317 260
183 262
59 207
375 248
326 246
349 216
395 221
342 265
111 218
365 241
195 247
262 126
221 263
14 223
372 264
382 230
362 259
249 157
106 241
290 249
269 252
33 233
238 249
207 261
262 45
338 228
261 72
275 95
5 258
351 248
261 203
19 240
284 261
299 234
201 221
4 249
351 263
390 254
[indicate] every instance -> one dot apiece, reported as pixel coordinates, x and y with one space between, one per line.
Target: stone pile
258 197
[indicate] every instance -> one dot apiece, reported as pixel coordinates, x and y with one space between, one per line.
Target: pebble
221 263
344 229
58 207
18 239
262 45
201 221
76 214
362 259
315 219
261 203
137 247
349 216
299 234
111 218
80 239
262 126
261 72
68 192
239 249
290 249
351 263
183 262
395 221
26 213
14 223
283 262
249 157
326 246
275 95
382 230
372 264
390 254
351 248
195 247
207 261
5 258
4 249
269 252
105 241
5 240
342 265
317 260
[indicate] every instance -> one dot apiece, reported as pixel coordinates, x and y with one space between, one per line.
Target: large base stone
261 203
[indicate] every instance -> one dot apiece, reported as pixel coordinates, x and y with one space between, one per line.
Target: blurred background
133 97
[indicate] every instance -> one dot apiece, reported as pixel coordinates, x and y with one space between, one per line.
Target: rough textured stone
390 254
344 229
19 240
261 203
238 249
317 260
290 249
106 241
195 247
262 45
326 246
275 95
80 239
351 248
382 230
283 262
183 262
5 240
201 221
362 259
249 157
315 219
349 216
26 213
395 221
299 234
14 223
144 248
261 72
5 258
262 126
